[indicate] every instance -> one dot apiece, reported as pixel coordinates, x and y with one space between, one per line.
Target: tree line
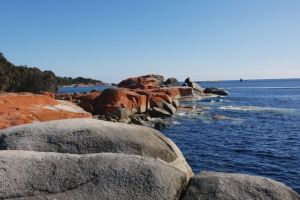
31 79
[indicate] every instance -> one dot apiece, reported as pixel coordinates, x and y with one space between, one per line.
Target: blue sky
113 39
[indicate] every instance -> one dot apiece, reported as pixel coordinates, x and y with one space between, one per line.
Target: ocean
255 130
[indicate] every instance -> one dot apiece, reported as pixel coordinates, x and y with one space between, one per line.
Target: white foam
256 108
175 122
295 87
181 113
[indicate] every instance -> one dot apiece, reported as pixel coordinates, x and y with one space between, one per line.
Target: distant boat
241 80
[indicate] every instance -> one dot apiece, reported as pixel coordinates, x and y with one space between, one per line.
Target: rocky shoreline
137 100
47 155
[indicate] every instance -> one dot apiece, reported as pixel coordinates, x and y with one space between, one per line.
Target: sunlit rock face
23 108
120 102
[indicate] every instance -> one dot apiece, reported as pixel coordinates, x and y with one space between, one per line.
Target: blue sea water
80 89
259 136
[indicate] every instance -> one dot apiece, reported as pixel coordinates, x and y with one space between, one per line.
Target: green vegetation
30 79
78 80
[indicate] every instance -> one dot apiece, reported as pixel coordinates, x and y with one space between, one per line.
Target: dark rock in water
196 87
29 175
158 112
188 82
229 186
171 82
159 125
184 85
217 91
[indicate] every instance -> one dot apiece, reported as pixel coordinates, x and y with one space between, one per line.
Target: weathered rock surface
162 101
80 136
23 108
27 175
146 95
217 91
86 101
228 186
49 94
64 96
159 112
143 82
120 102
172 82
196 87
136 95
83 136
176 92
123 102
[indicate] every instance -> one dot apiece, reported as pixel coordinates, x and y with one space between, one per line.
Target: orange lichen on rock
146 82
176 92
86 101
23 108
120 102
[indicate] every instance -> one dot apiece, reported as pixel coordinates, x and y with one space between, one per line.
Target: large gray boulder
228 186
85 136
31 175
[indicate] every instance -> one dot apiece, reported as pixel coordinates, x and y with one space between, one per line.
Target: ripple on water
260 136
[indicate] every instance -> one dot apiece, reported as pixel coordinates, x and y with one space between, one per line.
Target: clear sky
113 39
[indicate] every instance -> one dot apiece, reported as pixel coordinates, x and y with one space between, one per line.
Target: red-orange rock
176 92
156 99
173 92
146 82
186 91
120 102
156 95
49 94
86 101
22 108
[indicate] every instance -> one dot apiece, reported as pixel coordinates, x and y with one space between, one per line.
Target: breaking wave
257 109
